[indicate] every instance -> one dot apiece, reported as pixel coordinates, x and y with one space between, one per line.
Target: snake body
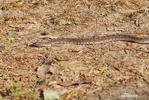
94 40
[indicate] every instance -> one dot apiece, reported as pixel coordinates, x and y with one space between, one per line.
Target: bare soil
111 71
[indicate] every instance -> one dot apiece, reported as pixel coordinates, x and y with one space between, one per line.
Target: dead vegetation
110 71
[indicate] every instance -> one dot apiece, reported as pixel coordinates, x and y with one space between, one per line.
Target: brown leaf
71 83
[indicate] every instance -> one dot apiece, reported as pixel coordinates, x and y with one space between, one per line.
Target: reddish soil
111 71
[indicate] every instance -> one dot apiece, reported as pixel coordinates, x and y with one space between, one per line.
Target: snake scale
94 40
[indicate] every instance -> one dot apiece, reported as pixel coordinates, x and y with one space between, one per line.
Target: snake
94 40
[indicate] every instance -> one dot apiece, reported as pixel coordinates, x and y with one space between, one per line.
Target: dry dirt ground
111 71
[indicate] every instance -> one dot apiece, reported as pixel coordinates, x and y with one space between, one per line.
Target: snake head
36 44
40 44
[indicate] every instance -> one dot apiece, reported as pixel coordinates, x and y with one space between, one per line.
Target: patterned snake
94 40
